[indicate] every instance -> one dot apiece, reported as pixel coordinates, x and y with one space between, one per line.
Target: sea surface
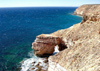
20 26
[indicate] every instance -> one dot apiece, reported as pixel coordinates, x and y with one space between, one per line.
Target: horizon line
38 6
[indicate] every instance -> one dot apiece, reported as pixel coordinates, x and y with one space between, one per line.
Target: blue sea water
20 26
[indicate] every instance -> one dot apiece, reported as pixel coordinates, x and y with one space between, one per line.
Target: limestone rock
44 44
95 17
83 52
85 18
88 10
82 41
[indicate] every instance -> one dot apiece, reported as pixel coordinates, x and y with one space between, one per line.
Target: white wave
27 63
31 53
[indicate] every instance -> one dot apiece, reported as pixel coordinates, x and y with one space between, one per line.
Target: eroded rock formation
44 44
95 17
88 10
82 40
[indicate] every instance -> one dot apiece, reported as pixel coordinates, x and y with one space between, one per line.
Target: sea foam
27 64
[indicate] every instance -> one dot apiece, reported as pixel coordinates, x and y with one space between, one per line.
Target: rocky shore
79 45
39 66
31 64
45 43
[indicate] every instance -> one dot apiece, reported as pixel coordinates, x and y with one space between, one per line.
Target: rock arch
44 44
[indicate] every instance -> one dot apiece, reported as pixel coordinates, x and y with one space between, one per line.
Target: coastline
77 41
24 25
78 15
34 65
70 39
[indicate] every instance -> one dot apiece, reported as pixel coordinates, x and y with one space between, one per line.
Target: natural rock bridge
44 44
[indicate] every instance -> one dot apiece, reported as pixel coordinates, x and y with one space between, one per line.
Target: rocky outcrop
95 17
82 41
44 44
88 10
83 52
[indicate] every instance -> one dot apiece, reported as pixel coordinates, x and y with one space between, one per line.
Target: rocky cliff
45 43
88 10
81 43
83 52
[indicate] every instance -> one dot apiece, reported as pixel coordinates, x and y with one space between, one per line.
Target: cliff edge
83 52
88 10
81 43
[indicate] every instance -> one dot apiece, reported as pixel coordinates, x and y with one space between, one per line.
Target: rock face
44 44
88 10
82 41
83 52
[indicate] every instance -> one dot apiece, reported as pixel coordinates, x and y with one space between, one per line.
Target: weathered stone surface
83 52
48 38
88 10
83 42
85 18
44 44
95 17
55 67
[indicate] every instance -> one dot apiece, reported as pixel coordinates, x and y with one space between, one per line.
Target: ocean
20 26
